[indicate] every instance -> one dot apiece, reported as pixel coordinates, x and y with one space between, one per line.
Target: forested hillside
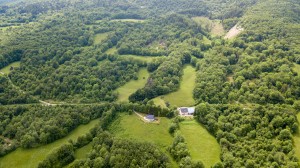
62 63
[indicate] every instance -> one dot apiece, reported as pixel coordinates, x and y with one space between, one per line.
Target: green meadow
132 127
100 37
202 145
214 26
126 90
112 50
6 69
184 96
29 158
140 58
297 140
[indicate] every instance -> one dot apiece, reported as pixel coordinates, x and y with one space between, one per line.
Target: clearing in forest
28 158
6 69
297 139
201 144
184 96
214 26
296 68
233 32
132 127
129 88
100 37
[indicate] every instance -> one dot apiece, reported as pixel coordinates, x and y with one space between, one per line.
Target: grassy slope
28 158
184 96
6 69
132 127
126 90
214 26
202 145
100 37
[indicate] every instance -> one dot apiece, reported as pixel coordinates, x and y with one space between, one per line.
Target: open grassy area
126 90
184 96
28 158
202 145
6 69
112 50
141 58
132 127
297 140
100 37
214 26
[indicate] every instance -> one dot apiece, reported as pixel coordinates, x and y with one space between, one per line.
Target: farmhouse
149 118
186 111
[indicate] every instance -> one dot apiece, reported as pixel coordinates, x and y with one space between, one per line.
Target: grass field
112 50
297 140
141 58
214 26
130 87
132 127
82 152
100 37
28 158
202 145
184 96
6 69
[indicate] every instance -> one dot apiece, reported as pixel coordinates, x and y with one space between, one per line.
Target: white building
186 111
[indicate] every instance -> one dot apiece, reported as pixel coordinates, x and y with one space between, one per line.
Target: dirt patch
233 32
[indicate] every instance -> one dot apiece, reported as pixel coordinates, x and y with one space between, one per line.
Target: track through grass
202 145
126 90
184 96
28 158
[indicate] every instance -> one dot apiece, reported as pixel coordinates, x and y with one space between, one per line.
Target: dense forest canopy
76 54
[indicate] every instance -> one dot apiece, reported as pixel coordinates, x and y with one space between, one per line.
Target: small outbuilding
186 111
149 118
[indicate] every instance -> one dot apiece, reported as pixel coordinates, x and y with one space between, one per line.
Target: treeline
255 136
11 95
108 151
34 125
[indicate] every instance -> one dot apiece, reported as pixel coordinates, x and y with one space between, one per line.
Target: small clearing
233 32
214 26
230 79
202 145
129 20
129 88
184 96
296 68
297 140
6 69
28 158
99 38
140 58
112 50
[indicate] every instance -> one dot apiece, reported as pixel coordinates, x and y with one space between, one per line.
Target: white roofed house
186 111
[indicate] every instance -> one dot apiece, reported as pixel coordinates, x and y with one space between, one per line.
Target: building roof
150 117
184 110
189 110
